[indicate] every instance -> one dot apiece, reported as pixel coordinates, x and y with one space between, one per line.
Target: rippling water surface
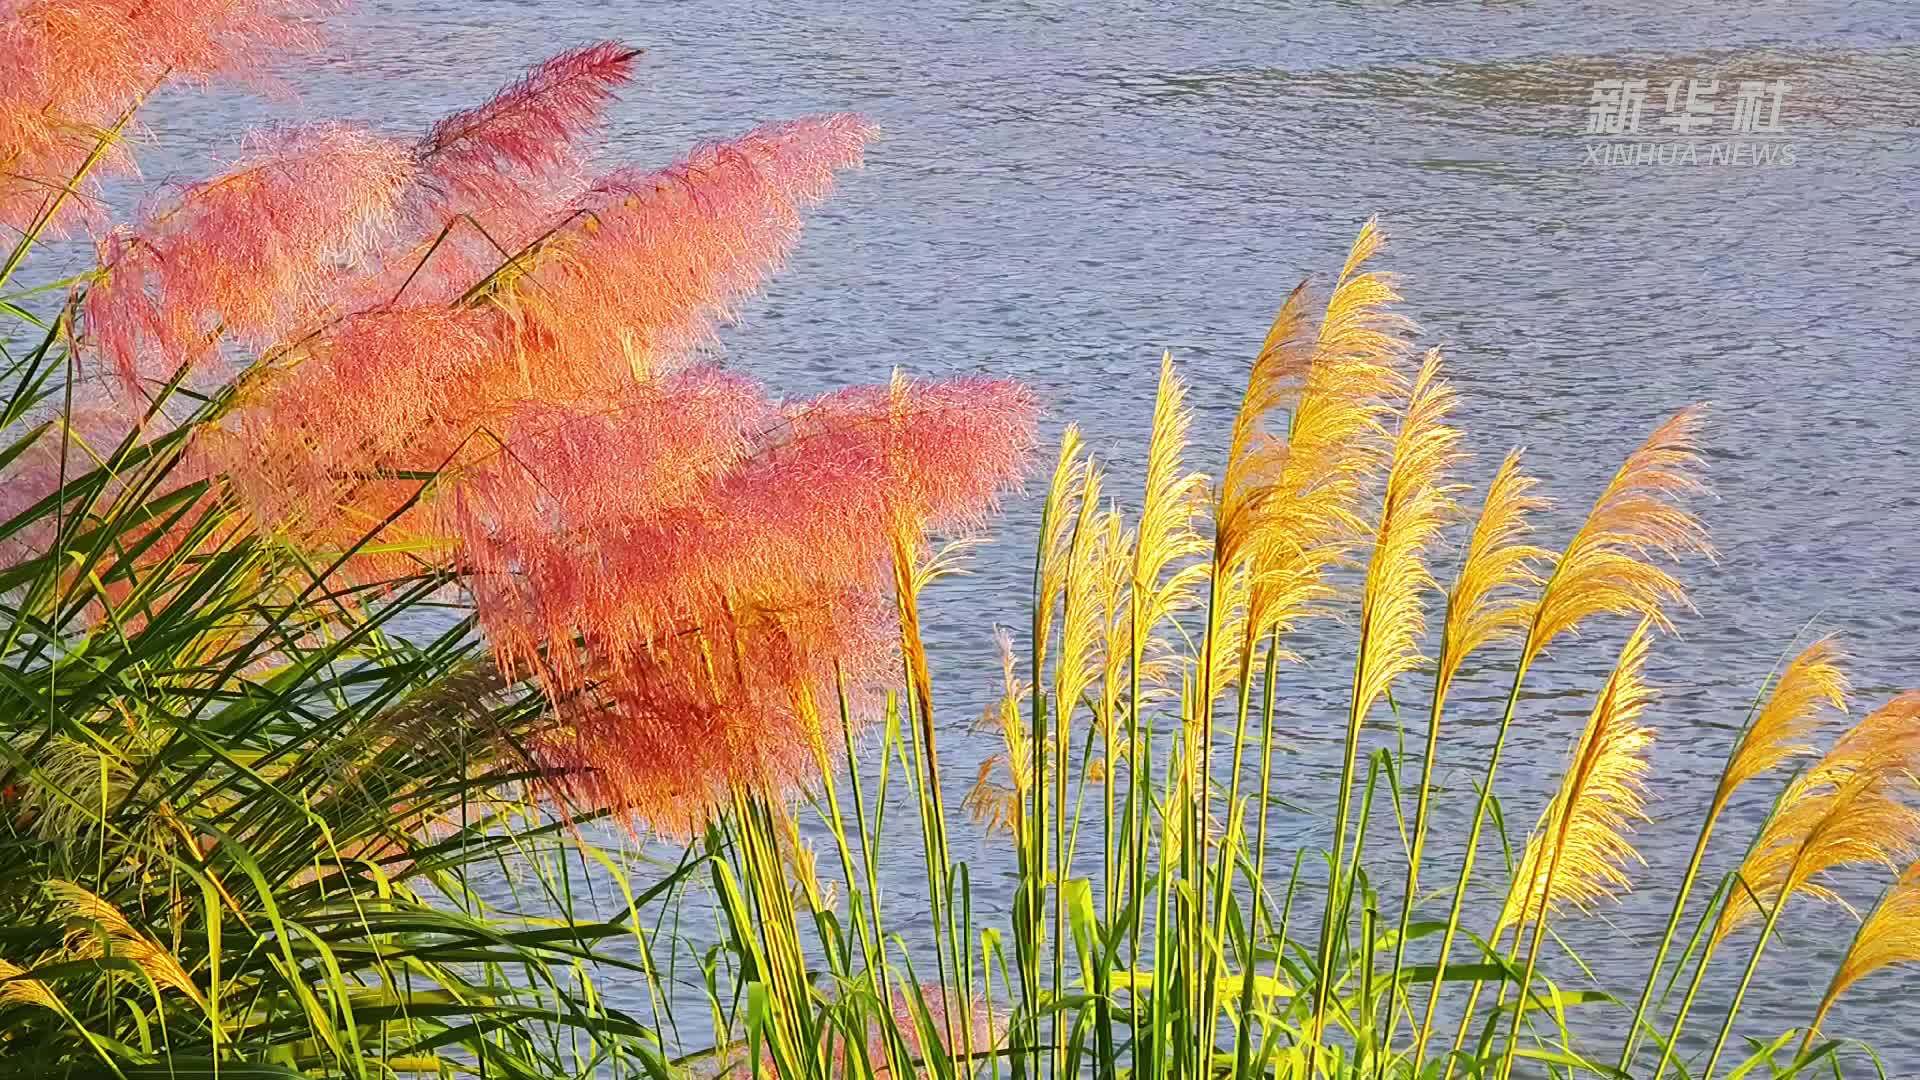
1062 194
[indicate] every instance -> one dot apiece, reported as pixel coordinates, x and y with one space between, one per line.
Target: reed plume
1336 445
1889 936
1058 513
1254 454
495 179
514 148
1166 570
1792 713
1578 855
96 929
1083 622
1418 504
995 806
17 987
1489 602
1845 817
77 68
762 550
1293 508
1605 568
1850 808
249 255
654 260
1112 593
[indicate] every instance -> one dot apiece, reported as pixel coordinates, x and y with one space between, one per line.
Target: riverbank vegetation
421 657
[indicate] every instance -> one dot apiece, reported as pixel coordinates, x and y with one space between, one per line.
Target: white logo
1693 126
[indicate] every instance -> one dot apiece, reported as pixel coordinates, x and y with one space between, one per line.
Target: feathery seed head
653 261
1579 854
249 254
1852 807
1419 502
16 988
1607 567
76 67
1890 936
1165 573
1292 507
525 140
1488 602
1813 679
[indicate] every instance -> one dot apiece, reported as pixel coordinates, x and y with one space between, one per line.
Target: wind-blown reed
246 829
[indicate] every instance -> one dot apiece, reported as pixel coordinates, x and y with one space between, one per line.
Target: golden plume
1417 506
1849 809
1057 517
1117 557
1231 637
1307 516
1579 854
1166 538
95 929
1489 601
991 805
1890 935
800 859
1887 740
1254 455
1791 713
1606 568
1083 626
17 989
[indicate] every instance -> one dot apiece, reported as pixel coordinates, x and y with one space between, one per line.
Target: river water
1061 194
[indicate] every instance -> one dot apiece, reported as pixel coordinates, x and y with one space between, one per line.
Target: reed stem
1466 866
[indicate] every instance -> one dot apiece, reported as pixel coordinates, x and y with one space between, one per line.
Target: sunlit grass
248 828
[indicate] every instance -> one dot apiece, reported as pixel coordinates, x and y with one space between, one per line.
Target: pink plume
495 177
248 254
662 256
74 67
527 136
636 598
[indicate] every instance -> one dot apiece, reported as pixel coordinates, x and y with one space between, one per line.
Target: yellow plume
1488 601
1791 713
1416 507
1886 740
802 861
1116 560
1167 539
1301 514
1083 626
1058 516
1889 936
1605 567
1253 453
992 806
1848 809
1232 635
17 989
1339 380
1579 853
96 927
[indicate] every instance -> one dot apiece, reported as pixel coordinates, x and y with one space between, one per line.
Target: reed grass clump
363 383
